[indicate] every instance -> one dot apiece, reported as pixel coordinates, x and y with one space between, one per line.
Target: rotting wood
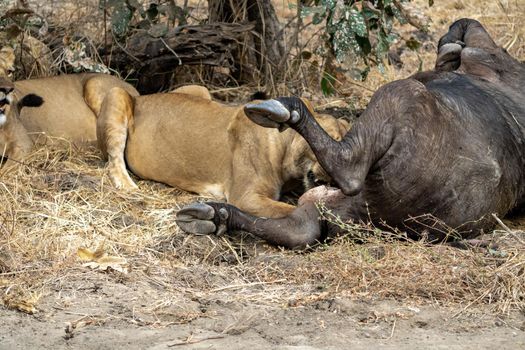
155 58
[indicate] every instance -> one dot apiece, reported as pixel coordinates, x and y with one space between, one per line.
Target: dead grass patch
60 200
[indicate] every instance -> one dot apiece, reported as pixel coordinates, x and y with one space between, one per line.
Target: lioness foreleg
116 115
260 205
15 143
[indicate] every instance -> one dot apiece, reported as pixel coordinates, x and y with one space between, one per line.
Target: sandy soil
94 310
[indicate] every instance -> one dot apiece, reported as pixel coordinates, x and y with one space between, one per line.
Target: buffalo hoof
202 218
449 56
270 114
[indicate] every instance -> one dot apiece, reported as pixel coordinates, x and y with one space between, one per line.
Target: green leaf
398 15
343 41
120 19
357 22
369 14
327 84
381 68
383 44
318 18
313 10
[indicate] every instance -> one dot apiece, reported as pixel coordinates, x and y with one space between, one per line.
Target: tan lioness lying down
188 141
70 108
182 139
12 136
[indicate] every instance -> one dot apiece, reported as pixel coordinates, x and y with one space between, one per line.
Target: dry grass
60 200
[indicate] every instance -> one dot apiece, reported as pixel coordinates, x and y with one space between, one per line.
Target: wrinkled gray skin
447 142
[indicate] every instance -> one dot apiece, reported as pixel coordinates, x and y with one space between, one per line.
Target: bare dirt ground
83 265
108 313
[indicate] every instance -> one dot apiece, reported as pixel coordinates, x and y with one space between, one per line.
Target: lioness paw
123 183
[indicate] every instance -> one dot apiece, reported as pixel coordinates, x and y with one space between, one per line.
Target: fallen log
152 59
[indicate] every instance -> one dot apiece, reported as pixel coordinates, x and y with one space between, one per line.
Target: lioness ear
31 100
345 124
7 59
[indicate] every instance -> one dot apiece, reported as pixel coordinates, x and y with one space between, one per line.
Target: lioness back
181 140
65 113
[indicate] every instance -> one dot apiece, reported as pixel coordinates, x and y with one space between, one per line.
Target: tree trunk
268 48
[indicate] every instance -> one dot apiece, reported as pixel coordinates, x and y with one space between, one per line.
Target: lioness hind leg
97 87
116 114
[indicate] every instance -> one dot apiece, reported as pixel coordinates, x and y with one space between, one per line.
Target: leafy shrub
362 28
157 17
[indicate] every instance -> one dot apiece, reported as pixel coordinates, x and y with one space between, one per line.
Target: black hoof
202 218
270 113
449 56
196 218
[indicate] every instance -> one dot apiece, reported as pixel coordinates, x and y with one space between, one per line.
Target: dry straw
60 200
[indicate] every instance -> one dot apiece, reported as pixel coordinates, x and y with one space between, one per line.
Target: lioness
10 107
188 141
70 108
183 139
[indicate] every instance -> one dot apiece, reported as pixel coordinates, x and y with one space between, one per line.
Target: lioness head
9 109
7 61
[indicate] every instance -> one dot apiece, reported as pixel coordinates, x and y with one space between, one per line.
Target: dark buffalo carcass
442 149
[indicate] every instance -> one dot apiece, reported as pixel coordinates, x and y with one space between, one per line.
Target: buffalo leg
463 34
347 161
470 32
116 114
295 231
301 228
